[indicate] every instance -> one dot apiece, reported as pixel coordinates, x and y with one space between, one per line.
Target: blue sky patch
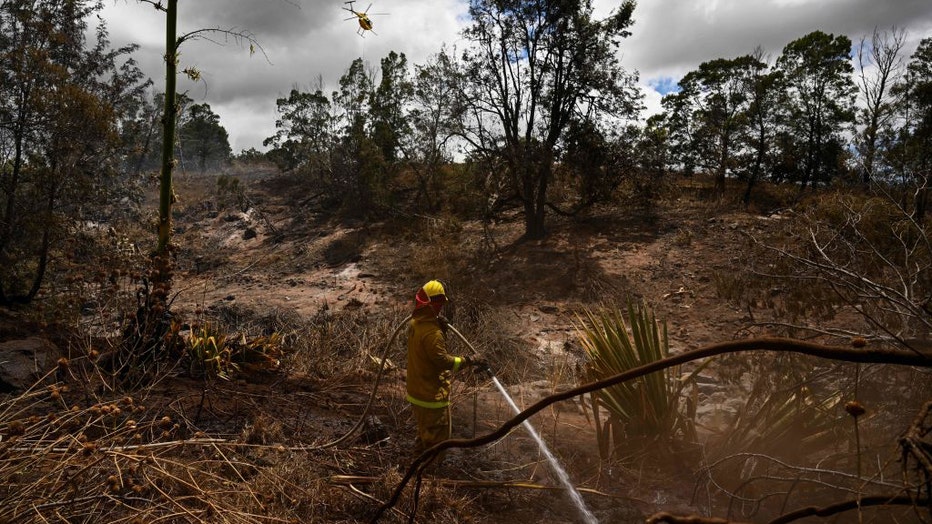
664 85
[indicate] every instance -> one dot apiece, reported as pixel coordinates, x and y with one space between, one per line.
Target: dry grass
73 449
69 452
117 461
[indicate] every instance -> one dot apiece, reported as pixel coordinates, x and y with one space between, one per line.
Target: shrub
212 352
650 407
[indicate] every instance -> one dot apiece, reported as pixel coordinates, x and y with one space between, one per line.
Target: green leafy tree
61 98
762 124
203 138
393 94
532 69
911 152
715 99
819 103
305 131
596 161
435 112
251 156
679 127
140 135
356 90
358 161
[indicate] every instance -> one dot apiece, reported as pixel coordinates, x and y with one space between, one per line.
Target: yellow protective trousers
433 426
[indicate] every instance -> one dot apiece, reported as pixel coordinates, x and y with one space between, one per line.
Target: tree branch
810 511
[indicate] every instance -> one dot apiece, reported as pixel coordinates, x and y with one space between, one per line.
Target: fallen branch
810 511
668 518
848 505
785 345
344 480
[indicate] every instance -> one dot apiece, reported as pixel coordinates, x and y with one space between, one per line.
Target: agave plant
652 407
209 353
214 353
768 421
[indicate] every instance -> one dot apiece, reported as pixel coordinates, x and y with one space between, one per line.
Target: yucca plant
214 353
260 353
650 408
768 421
208 353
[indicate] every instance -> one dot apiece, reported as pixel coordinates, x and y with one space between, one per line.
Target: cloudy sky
307 40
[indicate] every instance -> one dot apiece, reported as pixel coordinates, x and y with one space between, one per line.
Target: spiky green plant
209 353
651 407
214 353
768 421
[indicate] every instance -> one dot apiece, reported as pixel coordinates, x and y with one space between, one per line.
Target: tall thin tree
879 67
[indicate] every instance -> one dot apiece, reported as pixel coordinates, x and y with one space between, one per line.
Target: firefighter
430 367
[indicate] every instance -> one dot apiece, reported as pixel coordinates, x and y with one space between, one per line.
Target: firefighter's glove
481 366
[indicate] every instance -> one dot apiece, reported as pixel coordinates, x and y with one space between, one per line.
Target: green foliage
208 354
212 352
816 70
394 91
648 408
434 119
202 138
909 152
305 133
531 69
251 156
711 112
61 99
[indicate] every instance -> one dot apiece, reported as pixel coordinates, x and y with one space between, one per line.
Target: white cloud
307 38
672 37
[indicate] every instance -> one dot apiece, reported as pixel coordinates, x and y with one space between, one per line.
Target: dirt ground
667 256
518 302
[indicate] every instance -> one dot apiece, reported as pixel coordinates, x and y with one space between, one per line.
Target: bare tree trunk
168 129
922 199
536 177
883 53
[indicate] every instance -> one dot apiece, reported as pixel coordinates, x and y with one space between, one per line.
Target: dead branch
913 446
848 505
668 518
344 480
811 511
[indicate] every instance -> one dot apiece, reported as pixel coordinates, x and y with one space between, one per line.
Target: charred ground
335 289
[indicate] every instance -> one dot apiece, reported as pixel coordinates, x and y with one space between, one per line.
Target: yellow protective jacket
430 367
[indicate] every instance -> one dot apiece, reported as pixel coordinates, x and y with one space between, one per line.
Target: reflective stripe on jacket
430 367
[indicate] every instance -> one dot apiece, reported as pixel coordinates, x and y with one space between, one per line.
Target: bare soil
276 262
667 256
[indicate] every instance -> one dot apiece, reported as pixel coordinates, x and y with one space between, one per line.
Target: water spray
562 476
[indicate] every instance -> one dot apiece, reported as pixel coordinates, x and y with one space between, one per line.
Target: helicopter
365 23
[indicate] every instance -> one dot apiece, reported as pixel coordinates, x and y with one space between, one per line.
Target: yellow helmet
434 288
432 292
